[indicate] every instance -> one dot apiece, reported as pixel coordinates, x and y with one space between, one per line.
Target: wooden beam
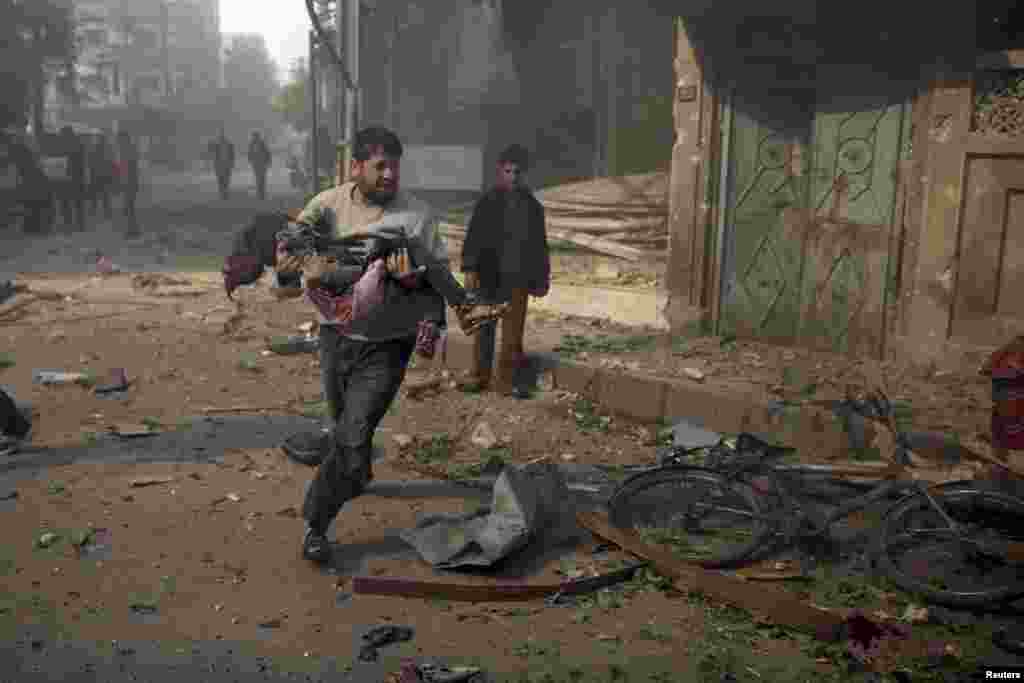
771 602
490 592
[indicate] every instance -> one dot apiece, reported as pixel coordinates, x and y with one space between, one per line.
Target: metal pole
354 24
314 104
342 94
352 66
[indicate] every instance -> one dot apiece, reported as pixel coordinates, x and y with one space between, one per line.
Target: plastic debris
382 636
117 382
56 377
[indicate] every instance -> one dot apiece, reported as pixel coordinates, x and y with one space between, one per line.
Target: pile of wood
624 216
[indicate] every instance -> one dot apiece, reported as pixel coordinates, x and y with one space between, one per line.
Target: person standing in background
259 159
102 162
74 188
505 258
223 163
128 178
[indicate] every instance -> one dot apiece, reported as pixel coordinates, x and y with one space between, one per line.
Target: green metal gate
805 233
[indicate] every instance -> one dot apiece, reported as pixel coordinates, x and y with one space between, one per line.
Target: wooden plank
597 244
492 592
771 602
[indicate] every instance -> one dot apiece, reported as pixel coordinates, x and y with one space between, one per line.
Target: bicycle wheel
922 555
699 515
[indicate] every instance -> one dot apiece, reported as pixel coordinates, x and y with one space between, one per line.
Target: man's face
377 177
510 175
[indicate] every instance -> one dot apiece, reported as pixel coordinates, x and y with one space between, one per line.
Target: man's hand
315 268
286 263
472 280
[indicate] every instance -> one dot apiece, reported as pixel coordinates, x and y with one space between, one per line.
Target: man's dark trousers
223 183
261 182
360 379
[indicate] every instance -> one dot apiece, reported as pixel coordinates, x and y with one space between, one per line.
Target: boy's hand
398 263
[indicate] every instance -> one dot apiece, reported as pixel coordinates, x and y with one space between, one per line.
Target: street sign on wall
442 167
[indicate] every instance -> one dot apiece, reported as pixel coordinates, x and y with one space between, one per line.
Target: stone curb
648 399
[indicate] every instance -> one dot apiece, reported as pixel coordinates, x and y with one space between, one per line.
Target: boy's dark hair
515 154
373 138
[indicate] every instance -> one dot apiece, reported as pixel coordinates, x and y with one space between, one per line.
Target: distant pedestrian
34 190
73 189
223 163
505 258
102 171
259 159
128 178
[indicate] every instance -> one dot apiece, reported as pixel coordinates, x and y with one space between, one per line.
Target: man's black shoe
307 448
315 547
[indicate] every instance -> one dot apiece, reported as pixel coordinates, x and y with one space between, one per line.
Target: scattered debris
290 346
483 436
234 498
47 540
151 281
779 605
694 374
307 327
466 592
105 266
433 673
57 377
403 440
382 636
568 457
133 431
526 500
141 482
117 382
418 389
275 622
915 615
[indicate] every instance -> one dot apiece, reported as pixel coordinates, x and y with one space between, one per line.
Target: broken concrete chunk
483 436
694 374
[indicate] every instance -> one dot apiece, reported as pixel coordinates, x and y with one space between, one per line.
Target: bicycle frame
791 503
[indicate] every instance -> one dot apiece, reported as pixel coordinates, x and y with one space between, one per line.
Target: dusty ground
197 565
215 568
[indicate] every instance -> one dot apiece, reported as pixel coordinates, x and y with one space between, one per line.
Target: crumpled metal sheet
528 502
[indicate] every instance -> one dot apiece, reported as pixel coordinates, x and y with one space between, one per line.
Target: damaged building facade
851 181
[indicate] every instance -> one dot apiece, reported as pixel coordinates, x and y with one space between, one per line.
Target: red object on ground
1006 367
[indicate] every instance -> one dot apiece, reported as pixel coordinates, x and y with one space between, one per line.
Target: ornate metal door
806 230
